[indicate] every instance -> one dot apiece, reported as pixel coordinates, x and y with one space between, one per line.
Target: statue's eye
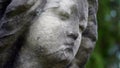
81 27
64 15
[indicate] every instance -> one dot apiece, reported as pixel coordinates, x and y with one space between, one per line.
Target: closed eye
81 27
64 15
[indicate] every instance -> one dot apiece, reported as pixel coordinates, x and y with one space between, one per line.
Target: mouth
66 48
64 53
69 45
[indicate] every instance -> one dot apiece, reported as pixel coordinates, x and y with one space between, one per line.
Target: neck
28 59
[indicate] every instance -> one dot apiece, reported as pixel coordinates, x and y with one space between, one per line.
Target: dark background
107 51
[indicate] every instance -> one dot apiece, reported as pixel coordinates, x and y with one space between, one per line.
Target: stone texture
17 17
89 37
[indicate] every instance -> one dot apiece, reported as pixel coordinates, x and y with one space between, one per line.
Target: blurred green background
107 51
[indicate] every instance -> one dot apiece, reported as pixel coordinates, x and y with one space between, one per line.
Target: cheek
50 27
46 32
46 25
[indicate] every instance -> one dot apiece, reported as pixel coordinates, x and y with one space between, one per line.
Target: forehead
63 5
80 6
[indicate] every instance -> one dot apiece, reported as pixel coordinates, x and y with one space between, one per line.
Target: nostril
73 35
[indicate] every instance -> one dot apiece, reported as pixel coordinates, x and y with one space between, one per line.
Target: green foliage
108 44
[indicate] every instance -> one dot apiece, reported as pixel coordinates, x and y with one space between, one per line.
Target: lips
70 44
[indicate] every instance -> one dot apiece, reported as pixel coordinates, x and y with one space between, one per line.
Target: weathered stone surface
47 33
3 5
89 37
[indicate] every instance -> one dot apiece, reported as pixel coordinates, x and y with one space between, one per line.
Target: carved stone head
51 31
56 32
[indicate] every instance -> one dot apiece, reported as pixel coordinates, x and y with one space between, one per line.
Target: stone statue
47 33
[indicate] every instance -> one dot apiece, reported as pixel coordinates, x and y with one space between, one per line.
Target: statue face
55 35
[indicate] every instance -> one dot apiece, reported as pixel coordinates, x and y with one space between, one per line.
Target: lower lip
69 49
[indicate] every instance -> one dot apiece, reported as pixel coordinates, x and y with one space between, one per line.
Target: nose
72 34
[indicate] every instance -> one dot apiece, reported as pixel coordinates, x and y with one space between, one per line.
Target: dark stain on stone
38 38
